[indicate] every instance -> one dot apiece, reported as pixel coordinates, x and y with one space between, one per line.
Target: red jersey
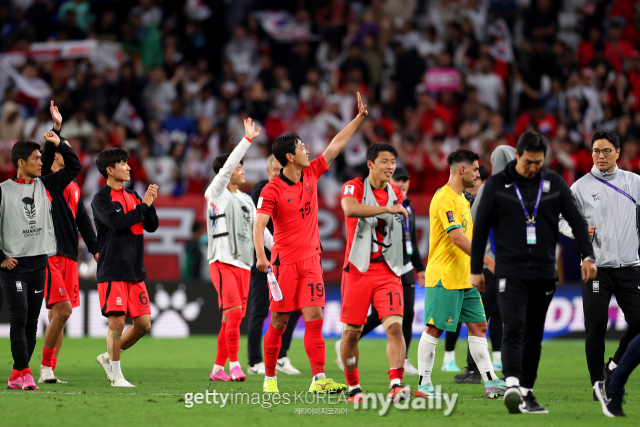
294 211
355 189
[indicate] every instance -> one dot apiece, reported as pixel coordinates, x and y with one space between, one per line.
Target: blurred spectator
11 124
177 120
193 257
488 84
159 93
80 11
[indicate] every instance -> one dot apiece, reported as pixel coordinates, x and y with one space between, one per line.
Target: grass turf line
164 370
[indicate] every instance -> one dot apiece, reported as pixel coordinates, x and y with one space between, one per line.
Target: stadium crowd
437 75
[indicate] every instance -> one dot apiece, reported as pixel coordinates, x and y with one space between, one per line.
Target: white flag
128 116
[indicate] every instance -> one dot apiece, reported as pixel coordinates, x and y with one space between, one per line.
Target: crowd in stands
436 75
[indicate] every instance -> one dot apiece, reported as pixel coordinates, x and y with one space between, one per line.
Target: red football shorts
128 298
359 290
61 283
232 285
301 284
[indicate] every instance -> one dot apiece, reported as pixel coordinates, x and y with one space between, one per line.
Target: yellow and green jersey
447 262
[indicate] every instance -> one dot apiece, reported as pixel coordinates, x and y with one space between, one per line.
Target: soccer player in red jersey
372 267
121 216
291 201
61 294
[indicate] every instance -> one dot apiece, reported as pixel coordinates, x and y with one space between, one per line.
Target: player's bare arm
342 138
461 241
262 263
353 209
56 116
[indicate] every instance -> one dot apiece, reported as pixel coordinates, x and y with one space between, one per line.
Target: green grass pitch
164 370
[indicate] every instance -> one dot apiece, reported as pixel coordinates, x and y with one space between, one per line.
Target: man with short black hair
231 214
260 299
449 297
412 260
372 267
291 200
61 294
522 204
121 217
608 198
27 240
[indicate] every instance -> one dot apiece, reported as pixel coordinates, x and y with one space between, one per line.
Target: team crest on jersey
18 286
546 186
119 301
450 217
281 302
62 292
449 321
349 189
77 195
625 188
308 187
230 297
29 206
596 286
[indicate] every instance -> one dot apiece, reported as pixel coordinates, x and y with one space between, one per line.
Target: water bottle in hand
273 286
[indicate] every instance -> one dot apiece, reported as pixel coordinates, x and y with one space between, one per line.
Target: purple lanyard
531 219
615 188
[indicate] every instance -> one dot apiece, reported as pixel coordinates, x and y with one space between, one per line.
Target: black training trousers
260 301
409 292
624 283
24 294
523 305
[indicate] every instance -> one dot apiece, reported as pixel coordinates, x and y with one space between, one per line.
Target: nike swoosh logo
550 292
289 200
118 210
315 299
143 308
271 352
508 185
281 364
37 292
394 308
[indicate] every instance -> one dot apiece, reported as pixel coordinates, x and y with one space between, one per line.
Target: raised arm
57 182
342 138
49 152
221 180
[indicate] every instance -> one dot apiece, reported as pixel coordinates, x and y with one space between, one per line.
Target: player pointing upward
291 200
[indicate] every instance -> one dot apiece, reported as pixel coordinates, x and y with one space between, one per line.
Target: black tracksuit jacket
501 210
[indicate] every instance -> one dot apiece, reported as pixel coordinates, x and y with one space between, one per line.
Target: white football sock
497 357
479 350
394 381
354 387
449 356
233 364
266 378
115 369
217 368
524 391
426 357
320 376
512 382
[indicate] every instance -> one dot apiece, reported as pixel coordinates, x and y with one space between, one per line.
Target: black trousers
624 283
24 294
492 311
523 305
259 289
409 292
